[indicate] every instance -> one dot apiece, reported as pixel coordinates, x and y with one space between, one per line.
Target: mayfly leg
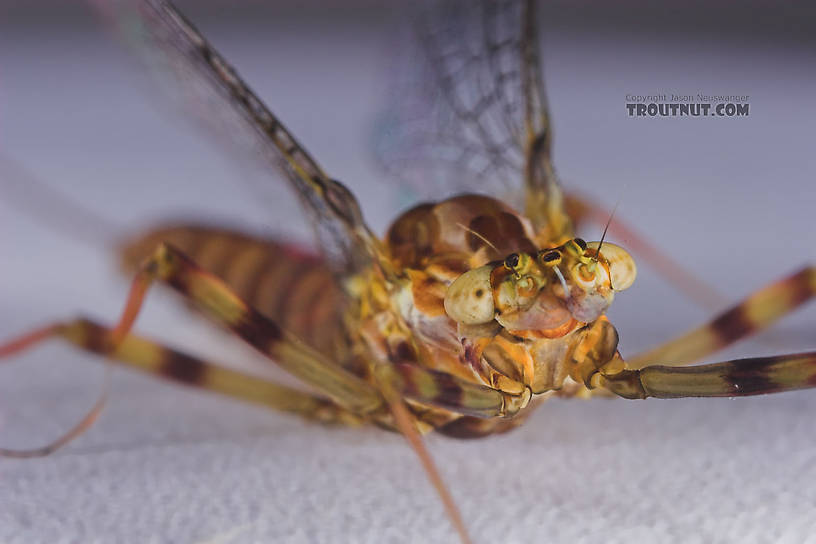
735 378
216 300
662 372
153 358
451 393
350 397
752 314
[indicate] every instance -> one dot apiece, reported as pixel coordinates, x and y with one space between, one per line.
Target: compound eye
512 261
577 247
550 258
517 263
469 299
580 243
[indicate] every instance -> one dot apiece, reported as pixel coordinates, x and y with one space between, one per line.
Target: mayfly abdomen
282 280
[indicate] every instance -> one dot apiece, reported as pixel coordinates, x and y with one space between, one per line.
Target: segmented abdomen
283 281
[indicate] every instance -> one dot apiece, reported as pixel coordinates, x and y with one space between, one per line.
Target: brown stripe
750 376
736 323
253 282
216 253
259 331
253 327
732 325
318 308
449 392
308 291
801 286
267 298
291 287
188 239
404 352
181 368
446 391
467 427
294 294
244 267
180 269
94 338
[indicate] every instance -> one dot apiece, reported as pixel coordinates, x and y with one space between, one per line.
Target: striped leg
152 358
737 378
172 267
280 280
752 314
218 302
449 392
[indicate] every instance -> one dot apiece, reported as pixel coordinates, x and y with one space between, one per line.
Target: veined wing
226 104
471 115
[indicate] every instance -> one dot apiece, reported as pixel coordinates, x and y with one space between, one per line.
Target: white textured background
733 198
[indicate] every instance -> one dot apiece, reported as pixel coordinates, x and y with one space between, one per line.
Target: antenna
479 236
606 228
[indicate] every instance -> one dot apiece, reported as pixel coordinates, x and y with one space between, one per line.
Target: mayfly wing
222 102
544 201
470 112
450 128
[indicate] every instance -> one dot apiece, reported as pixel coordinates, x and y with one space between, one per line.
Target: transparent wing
455 124
469 113
222 102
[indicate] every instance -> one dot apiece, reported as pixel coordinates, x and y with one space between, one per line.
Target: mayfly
463 318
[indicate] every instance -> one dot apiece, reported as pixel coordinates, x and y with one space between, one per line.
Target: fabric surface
731 198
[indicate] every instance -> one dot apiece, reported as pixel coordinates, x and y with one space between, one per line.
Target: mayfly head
595 273
547 293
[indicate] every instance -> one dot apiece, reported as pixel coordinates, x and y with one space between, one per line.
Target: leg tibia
153 358
221 304
756 312
737 378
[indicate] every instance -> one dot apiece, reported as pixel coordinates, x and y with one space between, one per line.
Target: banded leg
581 208
148 356
218 302
451 393
280 280
752 314
736 378
153 358
215 298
